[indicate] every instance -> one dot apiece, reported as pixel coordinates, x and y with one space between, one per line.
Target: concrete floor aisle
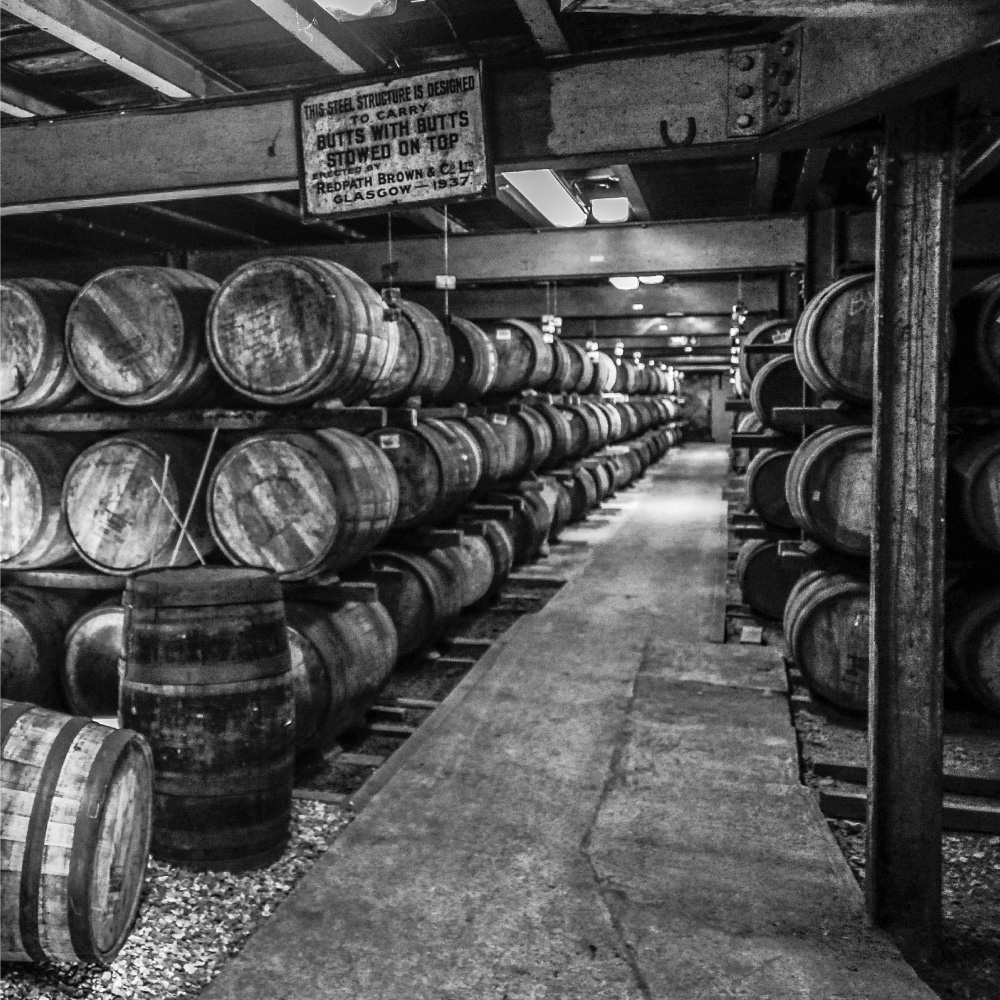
612 811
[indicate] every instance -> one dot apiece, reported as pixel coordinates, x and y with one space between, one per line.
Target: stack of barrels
827 495
229 541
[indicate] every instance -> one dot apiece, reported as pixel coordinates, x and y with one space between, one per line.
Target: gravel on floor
189 924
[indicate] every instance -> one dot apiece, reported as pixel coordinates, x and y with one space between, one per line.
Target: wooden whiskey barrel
974 466
424 361
35 372
557 499
773 331
834 340
207 681
559 430
33 528
829 488
583 495
581 370
778 383
478 568
33 626
302 504
134 335
476 364
524 359
603 480
765 580
977 339
490 447
972 632
605 373
500 539
626 377
288 330
415 592
765 488
341 656
89 670
524 442
598 419
76 815
530 526
118 496
565 368
435 467
826 627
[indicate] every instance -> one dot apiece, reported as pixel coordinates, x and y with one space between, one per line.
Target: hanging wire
447 226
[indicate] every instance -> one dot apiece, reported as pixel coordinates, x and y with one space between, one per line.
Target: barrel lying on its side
76 815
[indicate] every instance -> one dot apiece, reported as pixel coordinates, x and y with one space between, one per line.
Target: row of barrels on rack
832 350
282 331
826 621
298 503
223 676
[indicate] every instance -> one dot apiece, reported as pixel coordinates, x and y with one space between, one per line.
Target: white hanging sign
401 141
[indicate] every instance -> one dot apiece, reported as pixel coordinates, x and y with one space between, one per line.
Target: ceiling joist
543 26
310 26
125 43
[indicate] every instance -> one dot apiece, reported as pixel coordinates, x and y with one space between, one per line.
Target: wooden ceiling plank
543 26
306 30
809 177
630 188
765 183
434 218
763 8
15 101
203 225
102 31
280 208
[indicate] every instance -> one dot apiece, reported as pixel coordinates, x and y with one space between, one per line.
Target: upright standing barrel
134 335
342 655
35 372
302 504
829 488
33 528
126 498
207 681
424 361
834 340
476 365
826 628
76 817
288 330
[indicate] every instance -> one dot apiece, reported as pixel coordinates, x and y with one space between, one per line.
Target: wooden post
916 181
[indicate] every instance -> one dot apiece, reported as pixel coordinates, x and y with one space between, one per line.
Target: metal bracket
763 89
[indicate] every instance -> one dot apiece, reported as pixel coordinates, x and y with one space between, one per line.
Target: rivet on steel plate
744 90
785 107
744 121
786 76
773 68
787 47
772 99
744 62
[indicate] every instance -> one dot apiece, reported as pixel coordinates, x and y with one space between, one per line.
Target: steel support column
917 169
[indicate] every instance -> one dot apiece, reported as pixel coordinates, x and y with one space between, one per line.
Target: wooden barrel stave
424 360
33 528
765 488
772 331
478 568
35 372
94 647
765 580
76 821
559 431
778 383
524 359
490 446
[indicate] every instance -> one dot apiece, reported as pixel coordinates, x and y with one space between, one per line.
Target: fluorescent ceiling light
347 10
625 282
637 306
548 195
651 279
614 209
12 109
